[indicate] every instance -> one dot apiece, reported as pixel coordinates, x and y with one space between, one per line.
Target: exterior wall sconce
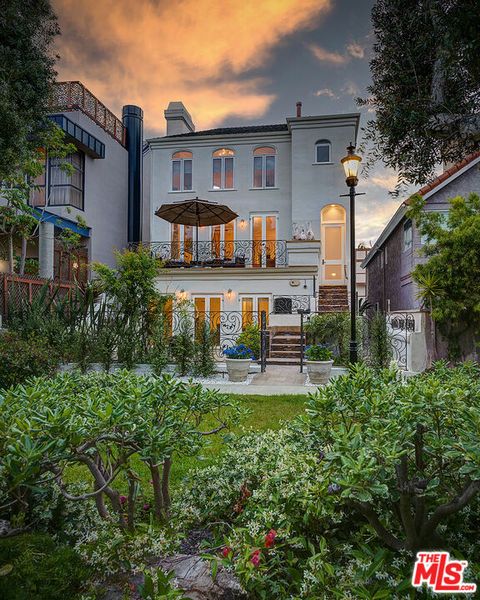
242 224
182 294
229 294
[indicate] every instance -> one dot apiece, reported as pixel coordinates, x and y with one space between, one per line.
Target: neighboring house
98 190
389 264
290 241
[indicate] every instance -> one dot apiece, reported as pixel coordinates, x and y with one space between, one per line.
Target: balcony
220 254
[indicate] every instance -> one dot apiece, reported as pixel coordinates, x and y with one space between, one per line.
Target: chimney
178 119
132 117
299 109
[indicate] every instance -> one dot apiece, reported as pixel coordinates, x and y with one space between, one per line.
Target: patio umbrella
196 212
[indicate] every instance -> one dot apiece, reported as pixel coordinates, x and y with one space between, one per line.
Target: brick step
285 339
285 353
284 347
283 361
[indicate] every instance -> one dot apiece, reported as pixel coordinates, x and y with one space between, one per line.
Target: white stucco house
289 245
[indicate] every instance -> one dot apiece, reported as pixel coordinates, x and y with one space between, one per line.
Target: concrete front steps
333 298
284 348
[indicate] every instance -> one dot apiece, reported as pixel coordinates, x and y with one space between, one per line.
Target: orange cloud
198 51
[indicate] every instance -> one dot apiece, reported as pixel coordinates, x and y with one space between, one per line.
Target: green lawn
264 412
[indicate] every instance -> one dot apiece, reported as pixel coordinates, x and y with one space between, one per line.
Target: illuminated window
182 171
223 169
264 167
322 151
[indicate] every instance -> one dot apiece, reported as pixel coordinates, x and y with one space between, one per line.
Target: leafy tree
449 277
28 29
425 85
100 422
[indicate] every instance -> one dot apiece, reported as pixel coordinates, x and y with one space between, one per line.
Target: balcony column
46 244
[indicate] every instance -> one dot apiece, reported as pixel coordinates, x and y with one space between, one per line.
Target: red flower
255 558
270 538
122 499
226 551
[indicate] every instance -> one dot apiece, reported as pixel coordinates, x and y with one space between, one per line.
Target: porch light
351 163
229 294
242 223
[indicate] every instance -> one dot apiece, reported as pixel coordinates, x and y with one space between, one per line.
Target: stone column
46 242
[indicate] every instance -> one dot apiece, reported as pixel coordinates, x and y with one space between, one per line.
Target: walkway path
277 380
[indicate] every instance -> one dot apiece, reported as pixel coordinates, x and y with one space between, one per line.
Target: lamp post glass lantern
351 163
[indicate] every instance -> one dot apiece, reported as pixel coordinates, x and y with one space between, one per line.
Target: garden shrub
250 337
21 359
333 330
182 347
101 423
42 569
204 361
379 349
336 504
158 355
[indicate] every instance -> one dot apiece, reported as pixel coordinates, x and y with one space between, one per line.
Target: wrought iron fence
287 305
240 253
394 328
225 328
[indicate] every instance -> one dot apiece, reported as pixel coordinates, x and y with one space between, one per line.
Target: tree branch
450 508
369 513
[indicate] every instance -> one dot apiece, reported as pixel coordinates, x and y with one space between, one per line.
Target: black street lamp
350 163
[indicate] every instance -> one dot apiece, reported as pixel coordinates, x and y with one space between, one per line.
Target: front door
333 263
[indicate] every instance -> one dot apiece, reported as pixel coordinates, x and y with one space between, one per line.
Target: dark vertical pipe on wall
132 117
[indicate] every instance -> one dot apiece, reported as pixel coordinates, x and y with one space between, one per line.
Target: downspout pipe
132 117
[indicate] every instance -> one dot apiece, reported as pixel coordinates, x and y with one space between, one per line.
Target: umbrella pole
196 246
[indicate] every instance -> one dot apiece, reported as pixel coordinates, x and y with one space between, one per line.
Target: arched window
323 151
264 167
223 169
182 171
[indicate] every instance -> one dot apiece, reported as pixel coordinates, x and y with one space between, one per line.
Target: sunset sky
230 63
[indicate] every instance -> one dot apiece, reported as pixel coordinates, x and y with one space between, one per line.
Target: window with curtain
223 169
182 171
264 167
323 151
66 187
407 235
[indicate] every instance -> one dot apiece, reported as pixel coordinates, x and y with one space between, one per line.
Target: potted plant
238 360
319 363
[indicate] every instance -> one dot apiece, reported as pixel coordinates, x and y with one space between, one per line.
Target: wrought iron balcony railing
241 253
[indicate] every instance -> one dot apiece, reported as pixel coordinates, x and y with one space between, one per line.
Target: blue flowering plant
318 352
238 352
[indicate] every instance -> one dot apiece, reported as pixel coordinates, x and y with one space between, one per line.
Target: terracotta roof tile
448 173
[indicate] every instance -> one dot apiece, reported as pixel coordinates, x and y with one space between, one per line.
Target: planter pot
319 370
237 368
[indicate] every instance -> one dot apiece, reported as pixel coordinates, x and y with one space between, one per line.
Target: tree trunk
100 503
11 259
167 465
157 492
131 504
23 256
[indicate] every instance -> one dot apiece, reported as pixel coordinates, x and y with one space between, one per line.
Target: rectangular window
269 171
323 153
223 173
181 175
228 173
217 173
66 188
257 172
263 171
187 174
176 166
407 236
